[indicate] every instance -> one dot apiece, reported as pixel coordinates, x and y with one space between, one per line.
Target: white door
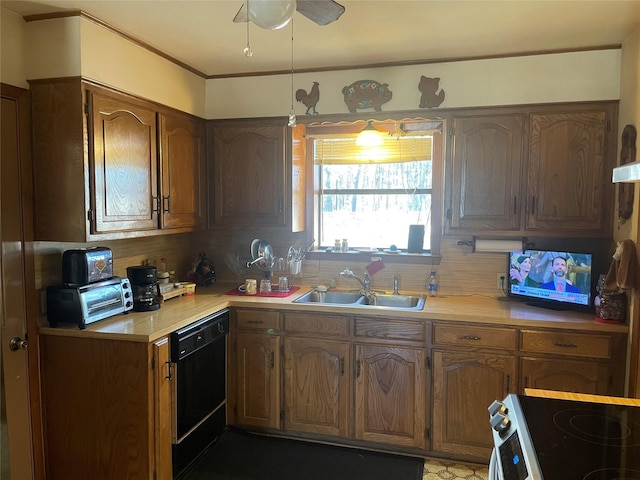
17 453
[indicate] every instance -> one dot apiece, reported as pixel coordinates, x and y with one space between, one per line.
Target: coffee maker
145 288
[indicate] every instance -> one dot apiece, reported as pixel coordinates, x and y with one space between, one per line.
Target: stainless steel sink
413 302
334 298
356 299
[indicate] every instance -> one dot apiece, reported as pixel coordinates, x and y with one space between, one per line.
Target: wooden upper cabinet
183 160
486 166
106 164
124 165
568 172
252 179
537 171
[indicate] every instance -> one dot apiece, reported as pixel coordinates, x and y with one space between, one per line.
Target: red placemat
235 291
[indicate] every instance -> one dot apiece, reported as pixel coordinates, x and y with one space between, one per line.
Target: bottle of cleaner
432 284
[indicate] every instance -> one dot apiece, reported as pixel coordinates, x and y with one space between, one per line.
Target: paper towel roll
485 245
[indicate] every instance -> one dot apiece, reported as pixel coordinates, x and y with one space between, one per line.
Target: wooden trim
334 68
424 61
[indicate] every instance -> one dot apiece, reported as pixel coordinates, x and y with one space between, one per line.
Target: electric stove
549 439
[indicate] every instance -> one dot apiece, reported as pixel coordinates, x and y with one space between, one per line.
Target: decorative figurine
366 94
310 100
429 87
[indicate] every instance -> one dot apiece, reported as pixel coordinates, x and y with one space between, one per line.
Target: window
371 195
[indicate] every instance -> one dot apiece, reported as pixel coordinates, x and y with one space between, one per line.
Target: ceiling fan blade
241 16
322 12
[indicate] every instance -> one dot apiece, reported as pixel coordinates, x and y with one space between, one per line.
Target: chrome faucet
366 283
396 281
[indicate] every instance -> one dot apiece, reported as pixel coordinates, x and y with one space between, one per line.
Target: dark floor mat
240 455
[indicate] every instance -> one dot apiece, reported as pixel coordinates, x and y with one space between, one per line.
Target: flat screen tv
557 280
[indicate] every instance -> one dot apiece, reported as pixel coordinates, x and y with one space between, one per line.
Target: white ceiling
201 34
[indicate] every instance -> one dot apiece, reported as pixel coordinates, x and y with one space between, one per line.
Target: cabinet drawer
257 320
389 329
581 344
475 336
316 323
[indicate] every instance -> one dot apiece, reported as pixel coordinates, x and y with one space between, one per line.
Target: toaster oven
88 303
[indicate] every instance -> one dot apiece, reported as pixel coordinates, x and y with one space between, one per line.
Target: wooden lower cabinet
258 380
573 361
403 384
316 379
464 385
105 407
578 376
390 394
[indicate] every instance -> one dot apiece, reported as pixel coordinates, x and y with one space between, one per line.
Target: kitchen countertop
181 311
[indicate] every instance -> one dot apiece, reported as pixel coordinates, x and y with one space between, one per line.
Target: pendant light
369 136
292 112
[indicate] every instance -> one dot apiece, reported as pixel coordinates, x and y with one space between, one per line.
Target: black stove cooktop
583 441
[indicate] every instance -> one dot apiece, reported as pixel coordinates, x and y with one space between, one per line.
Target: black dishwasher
199 355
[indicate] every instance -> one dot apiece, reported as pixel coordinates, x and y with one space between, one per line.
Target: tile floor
442 470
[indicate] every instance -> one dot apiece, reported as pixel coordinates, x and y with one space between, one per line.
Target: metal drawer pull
469 337
273 360
342 367
565 345
256 322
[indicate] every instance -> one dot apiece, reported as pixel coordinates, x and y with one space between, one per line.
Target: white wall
566 77
77 46
12 49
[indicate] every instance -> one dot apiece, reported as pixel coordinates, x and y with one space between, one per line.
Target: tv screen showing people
553 276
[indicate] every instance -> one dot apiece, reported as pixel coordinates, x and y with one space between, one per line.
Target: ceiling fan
274 14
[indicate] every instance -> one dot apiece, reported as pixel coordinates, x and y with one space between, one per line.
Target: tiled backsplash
460 271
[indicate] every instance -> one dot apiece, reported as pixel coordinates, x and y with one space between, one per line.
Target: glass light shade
271 14
369 137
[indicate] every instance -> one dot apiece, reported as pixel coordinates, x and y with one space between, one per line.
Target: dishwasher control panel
199 334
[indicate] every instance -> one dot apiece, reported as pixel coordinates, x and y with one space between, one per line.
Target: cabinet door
182 154
577 376
258 380
124 165
464 385
316 374
249 175
568 182
485 174
162 410
390 393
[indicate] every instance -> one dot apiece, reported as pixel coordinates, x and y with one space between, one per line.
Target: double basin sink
357 299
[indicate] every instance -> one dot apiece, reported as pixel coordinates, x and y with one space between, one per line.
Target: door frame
34 430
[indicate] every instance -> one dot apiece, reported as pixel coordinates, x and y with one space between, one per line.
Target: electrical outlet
501 282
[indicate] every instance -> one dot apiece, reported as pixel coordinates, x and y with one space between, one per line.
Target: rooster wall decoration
310 100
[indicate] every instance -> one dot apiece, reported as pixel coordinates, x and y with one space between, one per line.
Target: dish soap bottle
432 284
